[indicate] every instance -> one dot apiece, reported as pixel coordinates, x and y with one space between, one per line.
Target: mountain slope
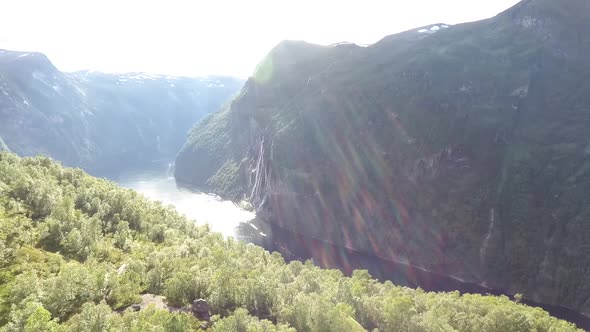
83 118
77 251
463 150
41 109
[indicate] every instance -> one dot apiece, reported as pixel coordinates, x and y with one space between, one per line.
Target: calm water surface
222 216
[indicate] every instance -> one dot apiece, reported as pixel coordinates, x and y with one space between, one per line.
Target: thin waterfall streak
486 241
257 178
169 171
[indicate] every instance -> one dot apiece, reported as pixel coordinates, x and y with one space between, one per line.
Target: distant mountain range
104 123
460 149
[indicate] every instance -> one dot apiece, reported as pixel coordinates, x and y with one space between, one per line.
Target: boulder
200 309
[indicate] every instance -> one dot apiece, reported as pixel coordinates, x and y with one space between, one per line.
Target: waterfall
260 174
169 170
484 246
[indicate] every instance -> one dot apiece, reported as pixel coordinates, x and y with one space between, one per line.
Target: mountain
83 118
42 110
459 149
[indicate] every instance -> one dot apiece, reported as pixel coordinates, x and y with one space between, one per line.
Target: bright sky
201 37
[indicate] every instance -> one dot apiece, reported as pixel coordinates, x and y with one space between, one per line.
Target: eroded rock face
463 151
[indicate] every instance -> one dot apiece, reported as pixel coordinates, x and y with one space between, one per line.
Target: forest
76 252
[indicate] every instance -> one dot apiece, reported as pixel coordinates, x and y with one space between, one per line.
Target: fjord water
227 218
222 216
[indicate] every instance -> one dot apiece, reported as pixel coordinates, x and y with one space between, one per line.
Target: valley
226 218
435 180
78 252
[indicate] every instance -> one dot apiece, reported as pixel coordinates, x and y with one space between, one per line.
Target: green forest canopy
75 251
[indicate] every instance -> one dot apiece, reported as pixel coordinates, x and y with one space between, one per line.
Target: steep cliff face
104 123
460 149
41 110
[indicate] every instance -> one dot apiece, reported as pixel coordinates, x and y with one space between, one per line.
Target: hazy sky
194 37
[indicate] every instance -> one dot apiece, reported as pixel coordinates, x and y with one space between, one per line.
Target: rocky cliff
461 149
104 123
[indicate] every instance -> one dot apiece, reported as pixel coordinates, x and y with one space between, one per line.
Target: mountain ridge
81 118
461 151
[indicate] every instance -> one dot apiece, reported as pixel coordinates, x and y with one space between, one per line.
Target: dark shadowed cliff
461 149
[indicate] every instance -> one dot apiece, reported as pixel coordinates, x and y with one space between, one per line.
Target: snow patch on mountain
433 29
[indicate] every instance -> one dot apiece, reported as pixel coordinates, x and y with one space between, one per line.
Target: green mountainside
463 150
83 118
77 251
